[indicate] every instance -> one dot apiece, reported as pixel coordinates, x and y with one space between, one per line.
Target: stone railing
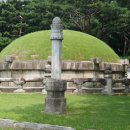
12 69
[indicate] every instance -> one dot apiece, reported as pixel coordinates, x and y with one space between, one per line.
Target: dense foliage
108 20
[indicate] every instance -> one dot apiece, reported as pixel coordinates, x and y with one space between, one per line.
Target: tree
113 22
11 24
105 19
79 14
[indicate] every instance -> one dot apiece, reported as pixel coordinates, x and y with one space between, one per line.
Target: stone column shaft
96 62
109 81
56 38
108 87
56 59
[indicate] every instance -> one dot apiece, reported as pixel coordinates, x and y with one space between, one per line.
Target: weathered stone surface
56 29
52 127
55 101
36 126
55 106
96 60
116 67
3 66
70 69
27 89
7 123
26 126
29 65
66 65
124 61
33 89
128 72
44 91
9 59
92 90
109 81
56 37
55 85
7 89
19 90
75 65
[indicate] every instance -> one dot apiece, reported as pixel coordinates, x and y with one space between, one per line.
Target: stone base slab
55 103
55 106
7 123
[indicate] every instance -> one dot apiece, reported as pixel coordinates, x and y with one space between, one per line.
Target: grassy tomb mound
76 46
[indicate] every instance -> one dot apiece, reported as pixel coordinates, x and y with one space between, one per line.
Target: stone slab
7 123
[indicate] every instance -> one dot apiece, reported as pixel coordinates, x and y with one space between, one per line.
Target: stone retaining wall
38 68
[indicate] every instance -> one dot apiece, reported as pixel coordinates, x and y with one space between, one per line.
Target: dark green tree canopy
108 20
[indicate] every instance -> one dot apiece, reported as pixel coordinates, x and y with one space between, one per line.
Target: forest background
108 20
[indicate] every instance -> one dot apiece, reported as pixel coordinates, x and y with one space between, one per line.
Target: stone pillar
125 63
108 77
96 67
9 60
55 102
127 81
96 62
56 37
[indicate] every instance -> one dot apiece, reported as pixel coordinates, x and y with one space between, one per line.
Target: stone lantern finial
56 29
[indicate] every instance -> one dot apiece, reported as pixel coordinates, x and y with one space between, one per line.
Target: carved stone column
96 62
55 102
108 77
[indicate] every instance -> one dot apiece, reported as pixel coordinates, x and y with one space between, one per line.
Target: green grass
76 46
83 112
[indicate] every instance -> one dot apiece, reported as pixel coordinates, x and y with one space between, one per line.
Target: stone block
52 127
55 102
26 126
6 123
55 105
19 90
55 85
11 124
36 126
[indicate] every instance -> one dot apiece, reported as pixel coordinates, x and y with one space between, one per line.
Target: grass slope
76 46
83 111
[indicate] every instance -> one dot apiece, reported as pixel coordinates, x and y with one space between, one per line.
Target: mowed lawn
83 111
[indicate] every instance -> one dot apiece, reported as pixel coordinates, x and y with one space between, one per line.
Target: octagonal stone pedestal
55 102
